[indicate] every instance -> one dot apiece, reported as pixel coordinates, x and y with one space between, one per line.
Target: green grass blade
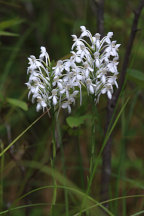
104 143
24 206
13 57
8 34
112 200
101 150
18 137
138 213
62 180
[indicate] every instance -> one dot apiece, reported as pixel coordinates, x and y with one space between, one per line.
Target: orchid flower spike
93 64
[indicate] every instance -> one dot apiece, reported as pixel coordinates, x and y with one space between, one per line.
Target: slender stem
106 164
63 165
53 163
93 144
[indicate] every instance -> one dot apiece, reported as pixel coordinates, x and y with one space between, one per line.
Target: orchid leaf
76 121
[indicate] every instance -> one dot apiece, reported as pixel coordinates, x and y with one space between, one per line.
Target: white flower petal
91 89
38 107
109 95
54 100
64 105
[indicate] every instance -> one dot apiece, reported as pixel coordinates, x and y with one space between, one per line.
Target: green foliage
9 23
76 121
17 103
5 33
17 213
136 76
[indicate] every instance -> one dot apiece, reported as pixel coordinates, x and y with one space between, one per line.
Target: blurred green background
25 25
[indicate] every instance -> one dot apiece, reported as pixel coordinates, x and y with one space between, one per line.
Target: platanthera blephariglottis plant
93 64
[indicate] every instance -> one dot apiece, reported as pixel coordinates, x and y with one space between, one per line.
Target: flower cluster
51 86
93 64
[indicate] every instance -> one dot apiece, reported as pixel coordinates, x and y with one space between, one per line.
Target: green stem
100 153
63 166
93 140
53 162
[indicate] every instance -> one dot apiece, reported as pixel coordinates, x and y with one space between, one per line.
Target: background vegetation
25 25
